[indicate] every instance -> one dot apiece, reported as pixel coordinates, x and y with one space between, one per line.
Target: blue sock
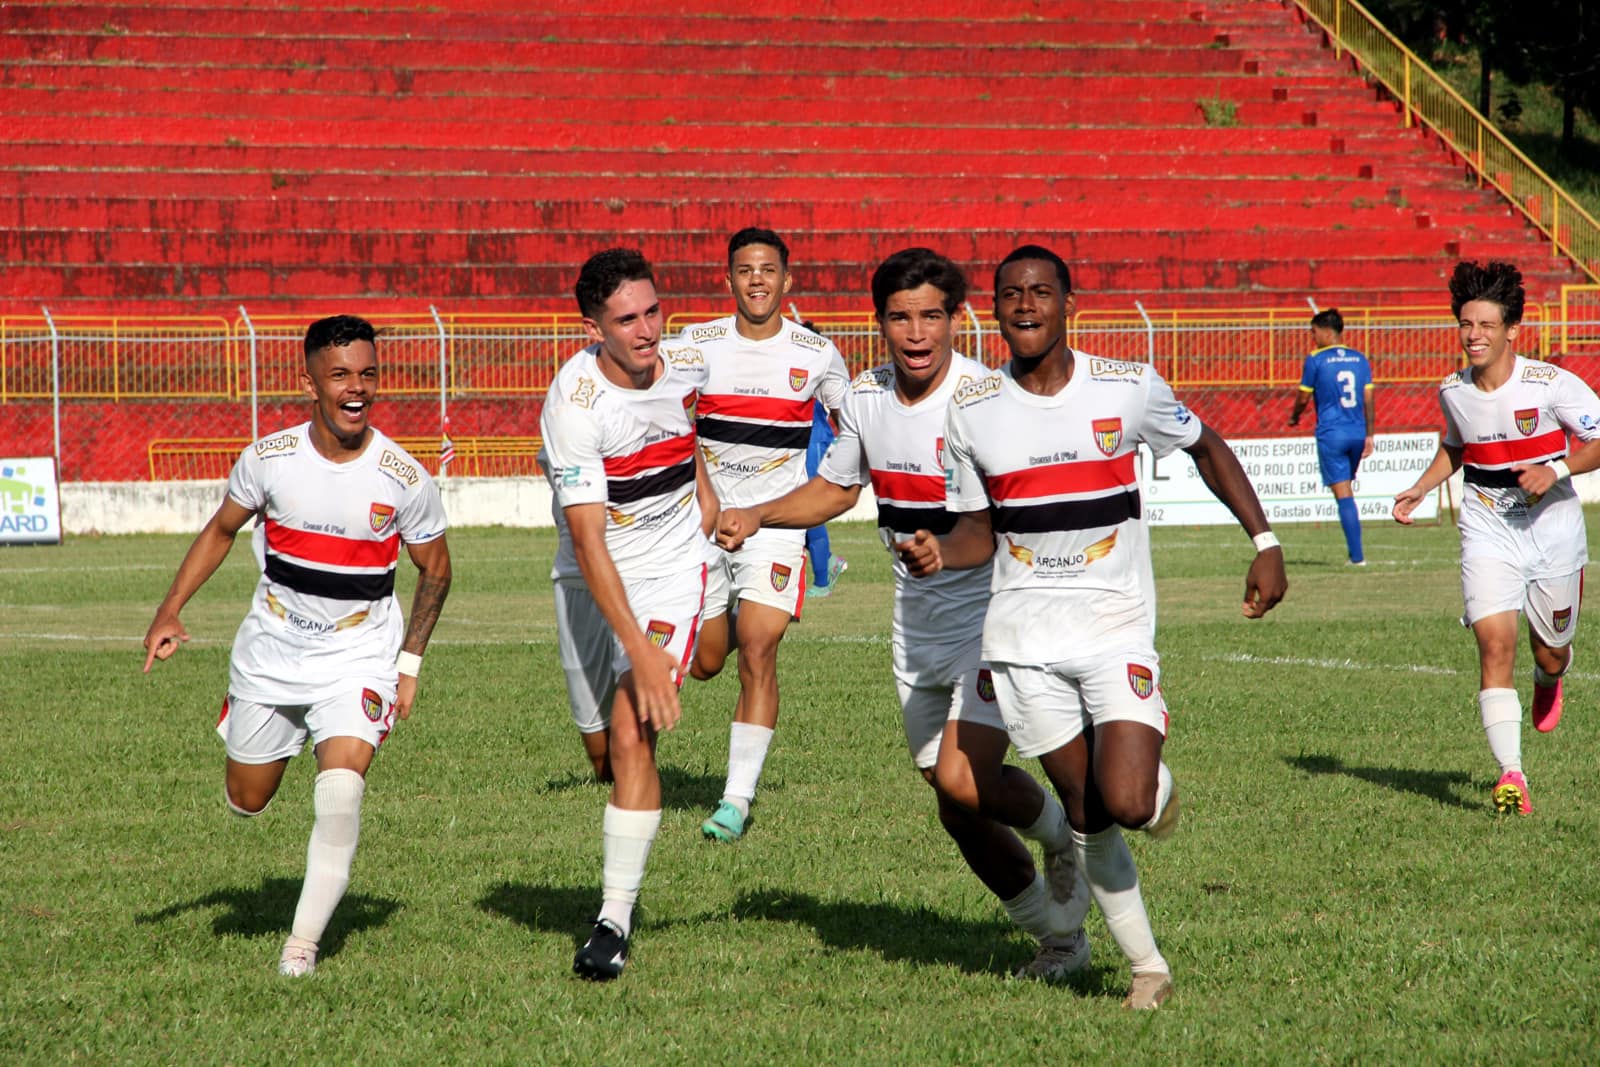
821 556
1350 519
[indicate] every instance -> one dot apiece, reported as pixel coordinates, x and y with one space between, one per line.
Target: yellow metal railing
509 356
1426 98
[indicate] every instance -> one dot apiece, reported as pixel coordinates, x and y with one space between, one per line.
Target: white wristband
408 663
1264 541
1563 472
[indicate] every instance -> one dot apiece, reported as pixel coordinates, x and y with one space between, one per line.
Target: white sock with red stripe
1501 713
337 802
747 754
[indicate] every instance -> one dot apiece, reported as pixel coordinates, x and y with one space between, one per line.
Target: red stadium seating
189 156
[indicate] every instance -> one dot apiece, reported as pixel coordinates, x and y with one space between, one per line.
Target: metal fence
105 396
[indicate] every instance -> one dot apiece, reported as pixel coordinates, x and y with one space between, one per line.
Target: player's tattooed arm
1266 583
433 585
167 634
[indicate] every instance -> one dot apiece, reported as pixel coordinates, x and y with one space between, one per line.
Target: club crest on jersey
372 704
986 686
380 517
1527 420
938 451
658 633
1561 620
1141 681
780 577
1107 435
798 376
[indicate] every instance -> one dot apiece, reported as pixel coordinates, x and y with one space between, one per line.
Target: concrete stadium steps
247 281
544 27
940 88
866 56
476 117
474 249
1090 203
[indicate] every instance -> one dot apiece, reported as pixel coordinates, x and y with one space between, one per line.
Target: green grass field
1340 890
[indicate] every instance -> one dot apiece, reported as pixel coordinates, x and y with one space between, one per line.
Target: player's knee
1130 808
246 806
705 669
957 785
602 768
955 817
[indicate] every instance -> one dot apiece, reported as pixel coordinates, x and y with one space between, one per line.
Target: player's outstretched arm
1301 398
433 585
205 555
1266 583
1446 462
808 505
653 669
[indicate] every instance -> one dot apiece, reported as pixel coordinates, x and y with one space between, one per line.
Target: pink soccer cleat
1511 794
1546 706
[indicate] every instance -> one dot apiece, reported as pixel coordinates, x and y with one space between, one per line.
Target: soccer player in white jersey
754 421
891 436
320 653
620 452
1041 456
1523 543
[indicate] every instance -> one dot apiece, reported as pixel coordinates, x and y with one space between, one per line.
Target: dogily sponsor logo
391 463
283 442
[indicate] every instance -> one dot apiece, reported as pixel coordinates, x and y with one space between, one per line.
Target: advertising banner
1285 473
30 501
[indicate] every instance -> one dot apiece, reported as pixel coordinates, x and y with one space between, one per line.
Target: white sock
1501 712
1031 910
336 799
1050 829
747 753
1107 865
628 836
1163 794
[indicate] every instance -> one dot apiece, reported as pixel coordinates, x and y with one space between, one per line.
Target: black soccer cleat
604 955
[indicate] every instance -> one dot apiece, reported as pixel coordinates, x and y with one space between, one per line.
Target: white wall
184 507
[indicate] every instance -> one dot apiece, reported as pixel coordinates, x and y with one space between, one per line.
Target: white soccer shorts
1046 707
585 645
668 610
264 733
1491 585
764 571
969 696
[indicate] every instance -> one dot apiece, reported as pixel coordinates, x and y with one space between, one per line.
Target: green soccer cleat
725 824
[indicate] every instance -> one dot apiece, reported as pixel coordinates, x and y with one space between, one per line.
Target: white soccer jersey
898 449
324 611
633 451
1524 421
1060 478
755 410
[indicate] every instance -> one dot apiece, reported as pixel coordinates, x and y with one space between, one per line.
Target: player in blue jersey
1340 379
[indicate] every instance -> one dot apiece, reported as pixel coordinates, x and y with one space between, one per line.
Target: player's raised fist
921 554
735 526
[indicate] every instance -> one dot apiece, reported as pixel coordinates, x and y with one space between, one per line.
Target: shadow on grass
269 909
1441 786
916 935
545 908
681 789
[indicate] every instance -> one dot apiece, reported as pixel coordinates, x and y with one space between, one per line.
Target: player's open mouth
917 358
353 409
